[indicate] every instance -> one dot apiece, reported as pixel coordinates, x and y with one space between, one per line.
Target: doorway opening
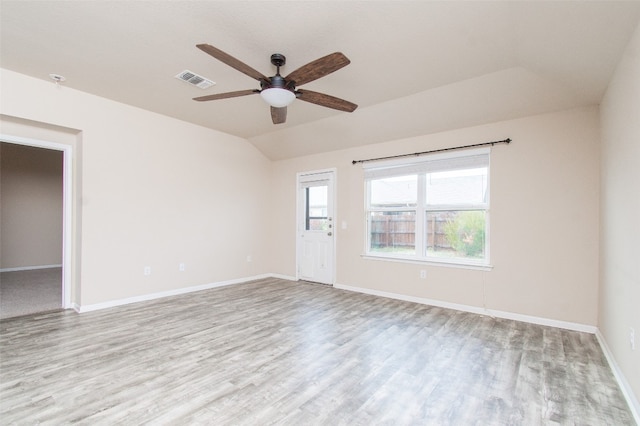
27 275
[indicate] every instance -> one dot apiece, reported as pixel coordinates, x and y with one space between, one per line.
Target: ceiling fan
280 91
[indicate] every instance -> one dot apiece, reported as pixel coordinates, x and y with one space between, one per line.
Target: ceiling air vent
195 79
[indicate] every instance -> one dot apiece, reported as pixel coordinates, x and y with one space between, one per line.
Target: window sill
443 263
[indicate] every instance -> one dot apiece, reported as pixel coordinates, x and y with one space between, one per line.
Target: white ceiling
417 67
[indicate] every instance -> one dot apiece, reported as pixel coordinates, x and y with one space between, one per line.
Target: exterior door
316 227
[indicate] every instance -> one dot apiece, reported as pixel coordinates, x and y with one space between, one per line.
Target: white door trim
67 203
300 176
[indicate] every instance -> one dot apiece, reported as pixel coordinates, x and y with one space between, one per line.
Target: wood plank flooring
279 352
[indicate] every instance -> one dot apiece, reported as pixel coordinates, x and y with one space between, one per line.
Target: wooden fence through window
398 231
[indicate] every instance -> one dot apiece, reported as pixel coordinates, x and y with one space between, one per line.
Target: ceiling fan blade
326 100
231 61
226 95
278 115
318 68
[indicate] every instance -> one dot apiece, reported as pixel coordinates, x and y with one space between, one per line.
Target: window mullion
420 216
367 219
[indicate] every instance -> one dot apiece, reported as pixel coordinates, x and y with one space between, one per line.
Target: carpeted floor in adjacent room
28 292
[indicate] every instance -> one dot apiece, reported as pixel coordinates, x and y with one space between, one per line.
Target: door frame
299 214
67 203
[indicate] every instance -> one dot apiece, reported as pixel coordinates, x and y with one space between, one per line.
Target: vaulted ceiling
417 67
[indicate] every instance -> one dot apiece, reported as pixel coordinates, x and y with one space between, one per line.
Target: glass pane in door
316 208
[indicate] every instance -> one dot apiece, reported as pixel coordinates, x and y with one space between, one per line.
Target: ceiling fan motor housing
277 81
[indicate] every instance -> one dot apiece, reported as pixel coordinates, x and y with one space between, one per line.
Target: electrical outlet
423 274
147 270
181 267
249 258
632 338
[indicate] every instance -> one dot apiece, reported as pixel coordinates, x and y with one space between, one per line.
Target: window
431 208
316 218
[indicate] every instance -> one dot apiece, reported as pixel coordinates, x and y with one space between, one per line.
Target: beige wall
544 220
31 212
620 206
155 192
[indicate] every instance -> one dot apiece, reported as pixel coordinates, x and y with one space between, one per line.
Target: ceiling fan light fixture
278 97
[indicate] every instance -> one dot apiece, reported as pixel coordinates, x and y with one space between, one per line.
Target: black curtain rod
508 140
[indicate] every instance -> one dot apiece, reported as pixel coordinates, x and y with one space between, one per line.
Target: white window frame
421 166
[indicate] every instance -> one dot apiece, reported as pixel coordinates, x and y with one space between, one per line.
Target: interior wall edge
625 386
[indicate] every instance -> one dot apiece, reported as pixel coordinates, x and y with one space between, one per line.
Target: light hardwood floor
279 352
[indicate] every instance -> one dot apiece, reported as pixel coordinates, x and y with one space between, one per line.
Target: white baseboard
283 277
30 268
152 296
475 310
625 387
567 325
